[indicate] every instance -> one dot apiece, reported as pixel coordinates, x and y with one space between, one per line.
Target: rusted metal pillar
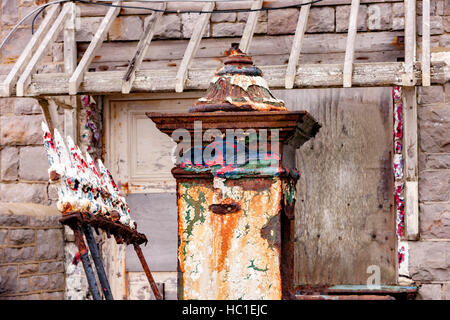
235 198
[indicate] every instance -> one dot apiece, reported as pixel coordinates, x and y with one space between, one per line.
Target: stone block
126 28
21 130
282 21
434 137
9 12
398 9
21 236
446 9
243 16
446 24
434 161
429 261
436 25
379 16
435 220
320 20
169 26
49 244
3 236
18 254
42 221
57 281
23 192
88 27
9 163
6 106
58 295
436 113
47 267
11 220
23 106
223 17
33 164
23 285
228 29
398 23
434 185
446 290
27 269
41 282
430 292
15 44
188 21
343 15
8 279
432 94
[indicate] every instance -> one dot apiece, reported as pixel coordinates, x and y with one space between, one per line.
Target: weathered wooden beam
27 53
192 47
350 49
250 26
410 42
297 46
308 76
426 43
97 40
141 49
411 162
70 44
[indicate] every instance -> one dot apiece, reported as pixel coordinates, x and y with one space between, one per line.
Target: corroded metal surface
238 86
229 256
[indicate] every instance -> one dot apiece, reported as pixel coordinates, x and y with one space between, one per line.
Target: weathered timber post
235 198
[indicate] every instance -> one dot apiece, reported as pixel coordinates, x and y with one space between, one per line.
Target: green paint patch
252 266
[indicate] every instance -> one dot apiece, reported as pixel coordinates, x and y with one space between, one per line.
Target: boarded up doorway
345 221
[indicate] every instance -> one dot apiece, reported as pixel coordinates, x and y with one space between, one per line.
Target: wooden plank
411 162
297 46
410 42
250 26
345 192
261 45
350 49
27 53
49 38
142 47
78 74
426 43
192 47
70 44
308 76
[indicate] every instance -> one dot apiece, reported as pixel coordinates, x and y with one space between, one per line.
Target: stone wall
430 256
31 252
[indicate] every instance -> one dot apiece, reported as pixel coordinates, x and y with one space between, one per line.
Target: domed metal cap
238 86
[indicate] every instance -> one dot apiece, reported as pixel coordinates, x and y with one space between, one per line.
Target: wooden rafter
141 49
297 46
250 26
49 38
70 44
410 42
27 53
194 42
97 40
351 40
426 43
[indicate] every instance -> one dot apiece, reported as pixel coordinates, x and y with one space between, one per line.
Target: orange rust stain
126 188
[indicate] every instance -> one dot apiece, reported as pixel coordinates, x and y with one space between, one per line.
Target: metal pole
147 272
95 252
86 263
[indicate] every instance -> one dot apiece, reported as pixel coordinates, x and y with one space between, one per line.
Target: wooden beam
250 26
411 162
297 46
49 38
70 44
97 40
141 49
350 49
426 43
27 53
192 47
410 42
